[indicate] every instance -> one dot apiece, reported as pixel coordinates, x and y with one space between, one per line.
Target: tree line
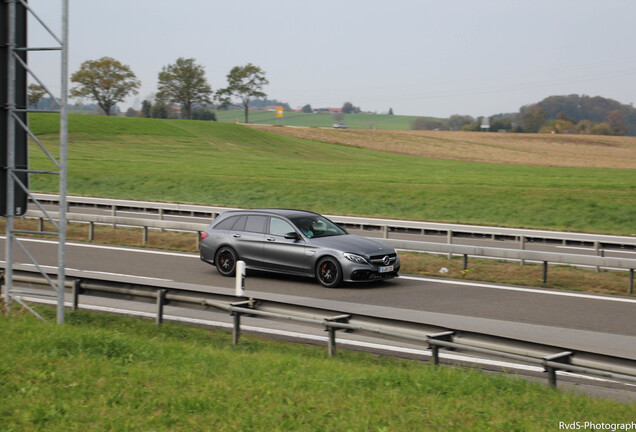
571 114
108 82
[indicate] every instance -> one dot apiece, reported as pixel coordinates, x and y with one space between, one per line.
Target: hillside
240 166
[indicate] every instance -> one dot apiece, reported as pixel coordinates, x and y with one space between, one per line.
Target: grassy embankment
233 165
100 372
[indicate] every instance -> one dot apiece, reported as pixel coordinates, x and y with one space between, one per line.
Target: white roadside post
240 278
240 292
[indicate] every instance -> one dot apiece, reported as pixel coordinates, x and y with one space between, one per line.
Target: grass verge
100 372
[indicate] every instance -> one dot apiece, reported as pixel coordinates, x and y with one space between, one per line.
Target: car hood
354 244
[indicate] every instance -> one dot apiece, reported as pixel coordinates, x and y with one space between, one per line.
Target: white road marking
114 248
519 289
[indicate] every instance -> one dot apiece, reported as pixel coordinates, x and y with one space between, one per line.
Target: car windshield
316 226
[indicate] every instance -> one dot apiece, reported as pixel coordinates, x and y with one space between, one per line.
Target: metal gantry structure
17 176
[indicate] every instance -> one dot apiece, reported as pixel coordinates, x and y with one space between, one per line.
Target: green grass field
234 165
107 373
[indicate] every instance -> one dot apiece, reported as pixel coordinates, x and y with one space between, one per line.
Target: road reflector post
240 279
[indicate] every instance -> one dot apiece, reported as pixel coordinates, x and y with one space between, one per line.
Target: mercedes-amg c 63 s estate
295 242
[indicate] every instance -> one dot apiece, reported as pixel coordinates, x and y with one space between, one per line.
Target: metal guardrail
552 359
384 225
429 247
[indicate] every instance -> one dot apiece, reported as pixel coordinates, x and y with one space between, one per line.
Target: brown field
583 151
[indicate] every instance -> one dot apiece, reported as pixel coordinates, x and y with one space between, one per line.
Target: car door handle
236 235
271 239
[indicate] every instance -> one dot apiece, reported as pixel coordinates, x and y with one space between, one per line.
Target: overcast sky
419 57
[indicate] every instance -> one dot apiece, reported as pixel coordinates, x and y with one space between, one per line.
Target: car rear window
240 224
226 224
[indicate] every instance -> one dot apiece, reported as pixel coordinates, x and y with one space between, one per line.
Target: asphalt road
575 320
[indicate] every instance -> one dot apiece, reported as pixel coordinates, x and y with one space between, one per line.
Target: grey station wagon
295 242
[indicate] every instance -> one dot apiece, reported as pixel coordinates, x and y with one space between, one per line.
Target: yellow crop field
581 151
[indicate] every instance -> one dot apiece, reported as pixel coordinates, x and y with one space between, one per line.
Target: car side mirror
292 236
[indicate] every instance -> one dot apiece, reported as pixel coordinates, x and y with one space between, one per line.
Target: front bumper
353 272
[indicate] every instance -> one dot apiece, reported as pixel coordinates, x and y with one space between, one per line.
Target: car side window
226 224
256 224
239 225
279 227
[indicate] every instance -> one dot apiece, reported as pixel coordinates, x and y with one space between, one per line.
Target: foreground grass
100 372
238 166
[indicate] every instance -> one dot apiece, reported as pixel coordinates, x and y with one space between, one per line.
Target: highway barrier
552 359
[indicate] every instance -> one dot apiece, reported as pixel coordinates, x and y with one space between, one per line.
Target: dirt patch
583 151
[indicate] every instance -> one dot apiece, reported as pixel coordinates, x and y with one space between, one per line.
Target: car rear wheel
225 261
329 273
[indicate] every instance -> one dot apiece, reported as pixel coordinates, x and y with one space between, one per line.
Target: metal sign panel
19 84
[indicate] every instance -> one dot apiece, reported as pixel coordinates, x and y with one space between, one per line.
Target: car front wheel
225 261
329 273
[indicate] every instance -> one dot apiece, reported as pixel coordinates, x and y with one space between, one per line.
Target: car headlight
355 258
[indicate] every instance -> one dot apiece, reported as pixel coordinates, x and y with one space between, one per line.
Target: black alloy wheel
225 261
328 272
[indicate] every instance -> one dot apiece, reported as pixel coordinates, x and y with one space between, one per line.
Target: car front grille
379 259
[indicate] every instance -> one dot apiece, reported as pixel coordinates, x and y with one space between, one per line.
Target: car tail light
204 235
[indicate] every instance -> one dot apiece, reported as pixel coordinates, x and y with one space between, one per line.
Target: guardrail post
522 246
449 240
343 319
114 213
161 217
91 231
198 243
446 336
236 330
545 272
385 231
465 263
631 281
161 300
597 248
77 288
236 318
564 358
145 236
